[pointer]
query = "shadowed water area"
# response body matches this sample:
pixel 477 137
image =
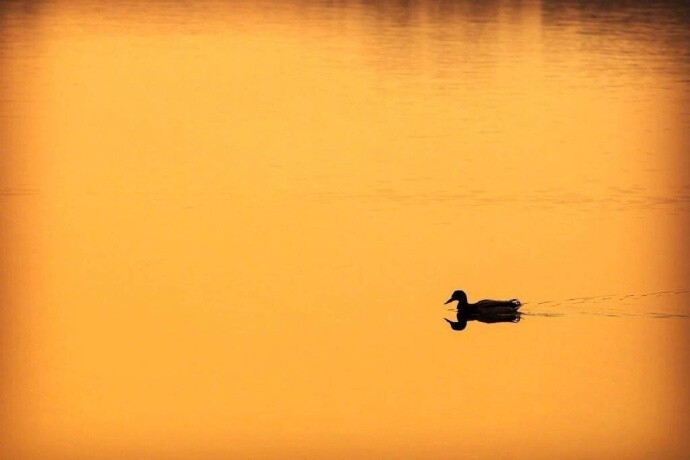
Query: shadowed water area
pixel 228 229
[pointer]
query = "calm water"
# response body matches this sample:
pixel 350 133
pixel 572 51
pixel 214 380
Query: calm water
pixel 228 229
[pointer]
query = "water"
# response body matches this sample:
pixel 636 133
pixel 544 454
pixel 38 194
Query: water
pixel 228 229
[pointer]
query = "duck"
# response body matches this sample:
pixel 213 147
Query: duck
pixel 484 311
pixel 484 307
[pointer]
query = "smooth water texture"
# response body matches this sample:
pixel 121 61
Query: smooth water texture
pixel 228 229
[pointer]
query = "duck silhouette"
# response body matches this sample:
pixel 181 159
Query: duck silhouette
pixel 484 311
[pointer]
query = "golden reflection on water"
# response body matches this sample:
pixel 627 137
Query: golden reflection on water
pixel 229 230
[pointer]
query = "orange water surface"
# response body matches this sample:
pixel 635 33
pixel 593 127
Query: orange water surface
pixel 228 229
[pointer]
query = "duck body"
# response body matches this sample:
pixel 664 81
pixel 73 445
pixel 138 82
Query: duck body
pixel 492 307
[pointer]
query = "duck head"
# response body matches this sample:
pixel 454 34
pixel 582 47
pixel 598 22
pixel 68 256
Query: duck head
pixel 456 326
pixel 460 296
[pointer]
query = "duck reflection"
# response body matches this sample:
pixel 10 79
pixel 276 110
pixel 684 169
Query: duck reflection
pixel 484 311
pixel 464 318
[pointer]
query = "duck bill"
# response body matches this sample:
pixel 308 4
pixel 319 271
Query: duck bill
pixel 448 301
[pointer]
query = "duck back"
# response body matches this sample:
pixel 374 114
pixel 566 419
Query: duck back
pixel 495 306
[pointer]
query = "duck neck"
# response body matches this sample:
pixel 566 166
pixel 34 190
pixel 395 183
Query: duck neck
pixel 462 301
